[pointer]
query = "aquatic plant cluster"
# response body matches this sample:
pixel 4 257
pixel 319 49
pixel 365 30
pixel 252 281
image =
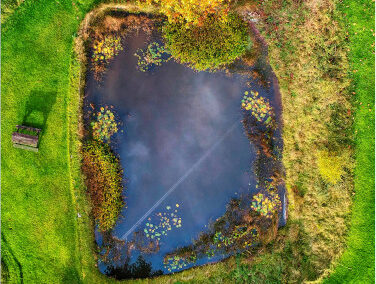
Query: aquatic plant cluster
pixel 104 180
pixel 101 166
pixel 106 48
pixel 166 222
pixel 220 240
pixel 267 205
pixel 176 262
pixel 258 106
pixel 154 55
pixel 237 230
pixel 104 125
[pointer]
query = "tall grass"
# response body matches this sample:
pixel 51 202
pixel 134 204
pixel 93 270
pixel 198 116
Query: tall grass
pixel 308 53
pixel 357 264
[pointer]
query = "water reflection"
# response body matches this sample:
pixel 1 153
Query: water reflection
pixel 189 166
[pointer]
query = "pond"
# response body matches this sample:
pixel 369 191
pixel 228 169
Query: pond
pixel 185 153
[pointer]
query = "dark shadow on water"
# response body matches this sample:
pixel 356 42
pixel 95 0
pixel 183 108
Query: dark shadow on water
pixel 140 269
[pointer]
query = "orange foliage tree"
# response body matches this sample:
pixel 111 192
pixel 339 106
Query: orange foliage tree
pixel 192 12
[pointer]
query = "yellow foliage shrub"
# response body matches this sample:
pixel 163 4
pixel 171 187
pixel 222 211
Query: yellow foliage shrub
pixel 192 12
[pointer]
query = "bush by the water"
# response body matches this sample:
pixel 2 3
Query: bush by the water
pixel 104 183
pixel 210 45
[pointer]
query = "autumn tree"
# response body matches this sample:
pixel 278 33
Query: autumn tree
pixel 193 12
pixel 203 33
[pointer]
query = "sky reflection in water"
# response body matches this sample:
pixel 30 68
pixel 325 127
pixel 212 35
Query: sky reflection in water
pixel 171 117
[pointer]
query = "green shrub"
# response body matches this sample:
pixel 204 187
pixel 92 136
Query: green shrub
pixel 330 166
pixel 104 183
pixel 207 46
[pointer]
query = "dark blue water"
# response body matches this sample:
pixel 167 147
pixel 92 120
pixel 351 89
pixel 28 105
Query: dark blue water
pixel 183 147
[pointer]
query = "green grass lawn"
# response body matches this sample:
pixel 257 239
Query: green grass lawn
pixel 38 217
pixel 357 265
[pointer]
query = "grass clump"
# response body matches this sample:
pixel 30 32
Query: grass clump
pixel 208 46
pixel 330 166
pixel 104 183
pixel 8 7
pixel 285 260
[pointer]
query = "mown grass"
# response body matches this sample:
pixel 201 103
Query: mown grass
pixel 357 265
pixel 37 216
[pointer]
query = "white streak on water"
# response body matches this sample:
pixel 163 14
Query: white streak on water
pixel 180 180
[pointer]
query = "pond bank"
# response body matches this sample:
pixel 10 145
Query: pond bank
pixel 317 116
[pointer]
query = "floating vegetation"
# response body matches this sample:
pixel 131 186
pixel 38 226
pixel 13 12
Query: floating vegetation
pixel 144 244
pixel 266 205
pixel 153 55
pixel 220 240
pixel 107 48
pixel 210 253
pixel 238 229
pixel 104 49
pixel 104 125
pixel 176 262
pixel 166 222
pixel 259 107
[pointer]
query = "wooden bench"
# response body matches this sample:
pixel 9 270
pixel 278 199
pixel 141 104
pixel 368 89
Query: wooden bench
pixel 27 141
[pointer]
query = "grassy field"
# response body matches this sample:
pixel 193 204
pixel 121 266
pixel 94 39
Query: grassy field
pixel 43 239
pixel 39 227
pixel 357 265
pixel 311 64
pixel 318 69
